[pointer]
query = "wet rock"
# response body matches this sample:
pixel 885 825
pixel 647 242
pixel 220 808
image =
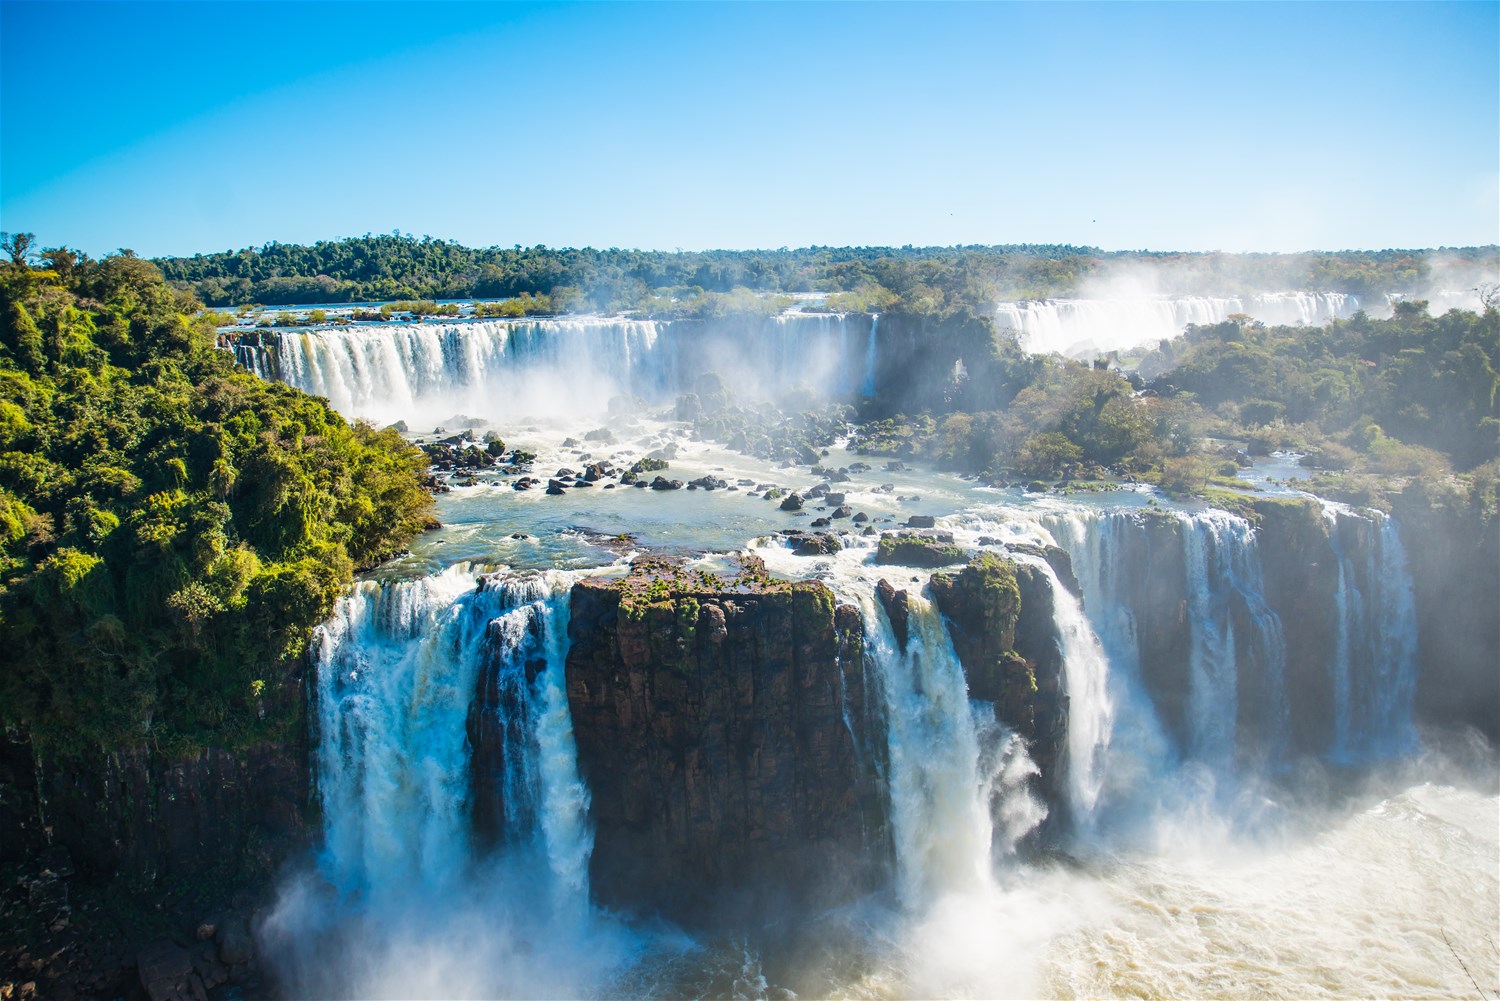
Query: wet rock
pixel 821 523
pixel 834 498
pixel 860 518
pixel 821 544
pixel 919 549
pixel 921 521
pixel 236 945
pixel 807 456
pixel 897 605
pixel 167 974
pixel 842 511
pixel 662 483
pixel 895 466
pixel 793 502
pixel 556 488
pixel 565 473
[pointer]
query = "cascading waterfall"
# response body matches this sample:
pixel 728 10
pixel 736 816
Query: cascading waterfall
pixel 1090 705
pixel 1087 327
pixel 1374 667
pixel 939 799
pixel 1231 629
pixel 867 387
pixel 429 371
pixel 398 665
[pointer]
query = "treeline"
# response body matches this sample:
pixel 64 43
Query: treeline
pixel 171 527
pixel 920 279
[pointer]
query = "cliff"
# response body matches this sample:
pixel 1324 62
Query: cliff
pixel 1000 617
pixel 725 733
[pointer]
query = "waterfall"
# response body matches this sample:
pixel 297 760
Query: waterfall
pixel 398 666
pixel 1089 327
pixel 1090 705
pixel 940 812
pixel 1374 667
pixel 431 370
pixel 867 387
pixel 1137 571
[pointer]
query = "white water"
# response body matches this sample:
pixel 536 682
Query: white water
pixel 427 372
pixel 1084 328
pixel 939 799
pixel 1173 890
pixel 867 387
pixel 1091 708
pixel 1374 668
pixel 397 667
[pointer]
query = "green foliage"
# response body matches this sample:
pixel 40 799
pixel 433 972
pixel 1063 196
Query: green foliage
pixel 1405 396
pixel 171 527
pixel 915 280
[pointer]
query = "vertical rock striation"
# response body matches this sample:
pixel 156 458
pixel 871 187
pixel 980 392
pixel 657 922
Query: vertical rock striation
pixel 724 731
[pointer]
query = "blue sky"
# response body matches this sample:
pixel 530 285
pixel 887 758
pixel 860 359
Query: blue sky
pixel 185 127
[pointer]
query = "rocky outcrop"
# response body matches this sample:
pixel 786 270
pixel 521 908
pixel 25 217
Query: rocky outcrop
pixel 919 548
pixel 1000 618
pixel 724 731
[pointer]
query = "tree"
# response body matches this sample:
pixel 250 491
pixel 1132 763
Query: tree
pixel 18 246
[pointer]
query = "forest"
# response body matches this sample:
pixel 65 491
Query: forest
pixel 386 267
pixel 171 527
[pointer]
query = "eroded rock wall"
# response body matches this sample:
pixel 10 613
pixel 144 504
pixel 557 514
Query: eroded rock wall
pixel 723 728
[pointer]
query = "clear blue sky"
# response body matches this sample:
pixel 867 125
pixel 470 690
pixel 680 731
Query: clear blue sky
pixel 186 127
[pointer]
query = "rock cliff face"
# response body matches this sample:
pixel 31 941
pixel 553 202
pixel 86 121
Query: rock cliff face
pixel 1000 616
pixel 105 852
pixel 728 741
pixel 1301 571
pixel 1453 553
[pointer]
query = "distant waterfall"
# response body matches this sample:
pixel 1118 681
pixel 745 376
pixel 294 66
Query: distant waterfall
pixel 1088 327
pixel 398 667
pixel 867 387
pixel 1374 669
pixel 430 371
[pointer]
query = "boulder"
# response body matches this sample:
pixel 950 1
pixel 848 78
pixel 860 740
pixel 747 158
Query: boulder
pixel 793 502
pixel 919 549
pixel 662 483
pixel 167 974
pixel 821 544
pixel 921 521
